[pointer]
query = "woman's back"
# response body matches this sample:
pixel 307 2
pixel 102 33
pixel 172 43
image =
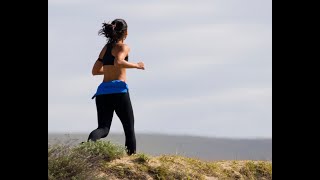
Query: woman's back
pixel 110 71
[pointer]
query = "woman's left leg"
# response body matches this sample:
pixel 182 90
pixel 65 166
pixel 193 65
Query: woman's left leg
pixel 105 107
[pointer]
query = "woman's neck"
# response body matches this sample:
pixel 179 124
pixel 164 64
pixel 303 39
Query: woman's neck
pixel 120 41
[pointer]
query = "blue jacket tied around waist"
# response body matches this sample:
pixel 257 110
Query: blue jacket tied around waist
pixel 111 87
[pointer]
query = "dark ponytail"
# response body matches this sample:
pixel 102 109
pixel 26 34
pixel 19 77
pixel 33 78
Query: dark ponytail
pixel 114 31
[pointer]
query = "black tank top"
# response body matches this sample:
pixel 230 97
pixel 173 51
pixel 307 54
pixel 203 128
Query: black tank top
pixel 108 58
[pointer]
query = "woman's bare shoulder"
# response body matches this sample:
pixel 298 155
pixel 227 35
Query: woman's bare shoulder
pixel 122 47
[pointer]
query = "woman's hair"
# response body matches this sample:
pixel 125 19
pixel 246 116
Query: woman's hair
pixel 114 31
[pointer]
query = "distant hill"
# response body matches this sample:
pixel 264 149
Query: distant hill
pixel 189 146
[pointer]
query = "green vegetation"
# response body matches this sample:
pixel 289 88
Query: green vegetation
pixel 105 160
pixel 142 158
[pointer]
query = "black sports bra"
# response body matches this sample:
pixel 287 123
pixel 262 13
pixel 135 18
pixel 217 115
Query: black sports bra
pixel 108 58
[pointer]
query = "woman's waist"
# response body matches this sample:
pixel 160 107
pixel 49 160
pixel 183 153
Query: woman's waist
pixel 111 87
pixel 116 83
pixel 106 80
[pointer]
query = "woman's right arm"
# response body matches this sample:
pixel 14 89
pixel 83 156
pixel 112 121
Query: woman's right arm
pixel 122 52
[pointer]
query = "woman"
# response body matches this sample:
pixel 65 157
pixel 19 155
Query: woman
pixel 113 94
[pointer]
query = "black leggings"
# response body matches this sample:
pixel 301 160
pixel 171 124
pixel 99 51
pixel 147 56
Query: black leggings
pixel 121 104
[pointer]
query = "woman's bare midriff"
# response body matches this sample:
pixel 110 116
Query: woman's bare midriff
pixel 114 73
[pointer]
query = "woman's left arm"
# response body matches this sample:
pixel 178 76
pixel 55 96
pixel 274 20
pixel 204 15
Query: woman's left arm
pixel 97 68
pixel 98 65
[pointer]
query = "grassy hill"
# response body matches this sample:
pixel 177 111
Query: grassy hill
pixel 105 160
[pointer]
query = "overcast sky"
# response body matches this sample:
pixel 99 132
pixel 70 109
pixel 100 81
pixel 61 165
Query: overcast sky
pixel 208 65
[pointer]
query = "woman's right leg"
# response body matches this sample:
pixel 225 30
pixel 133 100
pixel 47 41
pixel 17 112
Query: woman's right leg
pixel 125 113
pixel 105 108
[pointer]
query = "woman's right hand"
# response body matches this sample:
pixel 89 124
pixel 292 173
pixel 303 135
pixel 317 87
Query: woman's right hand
pixel 140 65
